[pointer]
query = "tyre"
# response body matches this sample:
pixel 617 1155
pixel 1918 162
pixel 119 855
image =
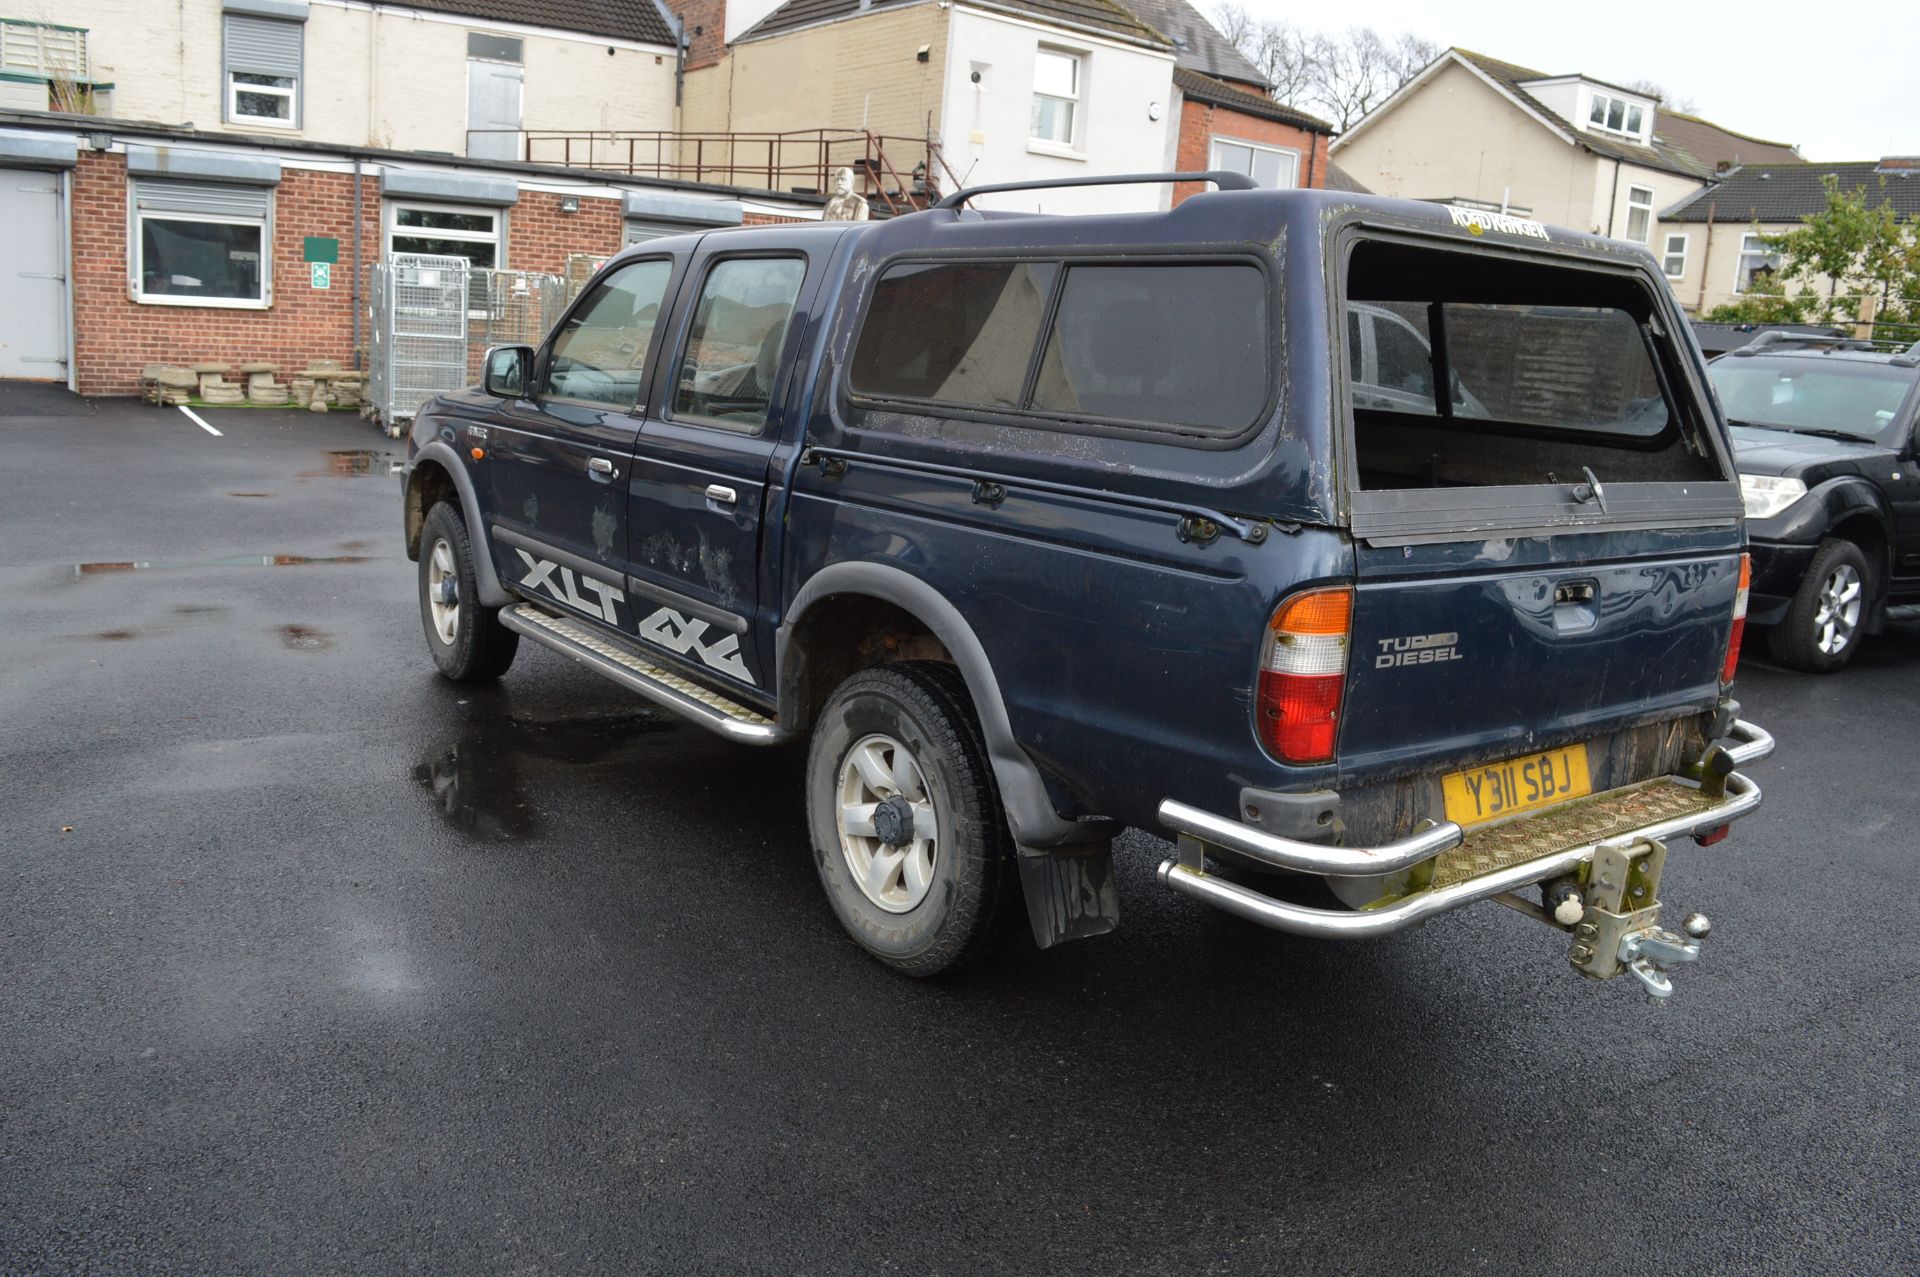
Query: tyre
pixel 467 640
pixel 908 833
pixel 1824 623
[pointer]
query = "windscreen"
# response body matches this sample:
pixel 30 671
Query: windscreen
pixel 1818 393
pixel 1470 369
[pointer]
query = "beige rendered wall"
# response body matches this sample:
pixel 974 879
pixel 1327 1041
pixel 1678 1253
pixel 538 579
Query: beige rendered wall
pixel 379 77
pixel 1456 136
pixel 830 76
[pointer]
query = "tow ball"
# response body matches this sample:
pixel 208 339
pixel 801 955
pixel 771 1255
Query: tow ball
pixel 1612 911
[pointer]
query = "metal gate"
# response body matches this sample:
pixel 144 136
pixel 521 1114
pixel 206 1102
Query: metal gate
pixel 33 323
pixel 417 343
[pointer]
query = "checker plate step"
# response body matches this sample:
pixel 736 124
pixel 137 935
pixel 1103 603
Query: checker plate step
pixel 1574 824
pixel 627 667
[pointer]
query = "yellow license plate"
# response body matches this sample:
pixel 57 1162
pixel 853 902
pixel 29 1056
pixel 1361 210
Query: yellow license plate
pixel 1519 784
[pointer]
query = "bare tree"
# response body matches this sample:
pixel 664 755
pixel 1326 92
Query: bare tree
pixel 1341 76
pixel 1654 89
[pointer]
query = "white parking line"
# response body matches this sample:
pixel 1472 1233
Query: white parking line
pixel 195 419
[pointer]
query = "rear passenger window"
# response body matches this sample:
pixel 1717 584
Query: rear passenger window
pixel 959 334
pixel 1176 347
pixel 733 351
pixel 1159 345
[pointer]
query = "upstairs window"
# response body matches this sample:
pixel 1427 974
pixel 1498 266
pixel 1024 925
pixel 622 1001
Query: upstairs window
pixel 1610 114
pixel 263 60
pixel 1639 213
pixel 1272 167
pixel 1056 96
pixel 1673 262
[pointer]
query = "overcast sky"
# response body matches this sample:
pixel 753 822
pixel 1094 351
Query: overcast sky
pixel 1837 81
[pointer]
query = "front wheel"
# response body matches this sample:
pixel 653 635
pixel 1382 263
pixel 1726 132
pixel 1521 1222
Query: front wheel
pixel 908 833
pixel 467 640
pixel 1826 619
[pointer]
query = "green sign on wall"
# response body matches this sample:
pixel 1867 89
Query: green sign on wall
pixel 322 248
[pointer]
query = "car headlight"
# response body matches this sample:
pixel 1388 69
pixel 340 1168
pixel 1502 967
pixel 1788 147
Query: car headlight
pixel 1766 495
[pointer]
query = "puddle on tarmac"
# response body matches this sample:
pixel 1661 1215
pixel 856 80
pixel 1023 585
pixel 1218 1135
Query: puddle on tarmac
pixel 235 561
pixel 249 494
pixel 304 638
pixel 114 636
pixel 357 463
pixel 478 781
pixel 200 609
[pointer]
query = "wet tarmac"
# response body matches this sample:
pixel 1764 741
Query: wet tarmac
pixel 312 962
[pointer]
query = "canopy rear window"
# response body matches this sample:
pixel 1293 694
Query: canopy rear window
pixel 1474 370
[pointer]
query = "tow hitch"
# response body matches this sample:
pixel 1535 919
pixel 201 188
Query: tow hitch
pixel 1619 929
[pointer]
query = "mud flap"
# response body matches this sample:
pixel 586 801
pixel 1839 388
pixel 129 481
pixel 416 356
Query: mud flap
pixel 1071 893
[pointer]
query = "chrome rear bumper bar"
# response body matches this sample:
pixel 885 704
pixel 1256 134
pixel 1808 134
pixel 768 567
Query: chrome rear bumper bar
pixel 1751 744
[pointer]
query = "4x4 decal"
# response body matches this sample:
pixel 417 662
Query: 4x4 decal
pixel 541 574
pixel 679 634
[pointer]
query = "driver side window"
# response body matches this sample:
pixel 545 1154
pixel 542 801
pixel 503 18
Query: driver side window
pixel 600 352
pixel 733 348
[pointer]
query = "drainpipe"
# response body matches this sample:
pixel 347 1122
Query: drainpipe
pixel 1615 200
pixel 1313 155
pixel 356 264
pixel 1706 259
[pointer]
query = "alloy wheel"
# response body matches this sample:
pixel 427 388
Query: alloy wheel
pixel 1838 615
pixel 889 831
pixel 443 591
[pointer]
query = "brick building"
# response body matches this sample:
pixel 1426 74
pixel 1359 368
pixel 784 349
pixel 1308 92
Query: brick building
pixel 141 244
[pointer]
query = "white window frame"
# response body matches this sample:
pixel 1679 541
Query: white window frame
pixel 1288 151
pixel 1073 147
pixel 1740 260
pixel 1604 101
pixel 1640 206
pixel 498 238
pixel 1667 254
pixel 137 258
pixel 290 93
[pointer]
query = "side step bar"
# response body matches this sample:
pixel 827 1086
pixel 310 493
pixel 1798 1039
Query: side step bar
pixel 663 687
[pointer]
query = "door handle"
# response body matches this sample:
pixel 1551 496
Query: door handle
pixel 720 494
pixel 600 465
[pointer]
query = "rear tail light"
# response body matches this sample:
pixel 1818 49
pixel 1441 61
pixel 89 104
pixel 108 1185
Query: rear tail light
pixel 1739 621
pixel 1303 673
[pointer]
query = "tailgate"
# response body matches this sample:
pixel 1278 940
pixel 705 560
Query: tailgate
pixel 1458 656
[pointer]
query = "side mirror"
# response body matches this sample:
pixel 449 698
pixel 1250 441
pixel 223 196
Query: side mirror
pixel 506 371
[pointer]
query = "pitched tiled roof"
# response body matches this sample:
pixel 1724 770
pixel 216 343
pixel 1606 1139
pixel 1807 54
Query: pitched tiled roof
pixel 1338 179
pixel 1511 77
pixel 1097 15
pixel 639 20
pixel 1789 192
pixel 1203 88
pixel 1197 43
pixel 1716 149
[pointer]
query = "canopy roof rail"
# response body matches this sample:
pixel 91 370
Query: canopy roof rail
pixel 1224 180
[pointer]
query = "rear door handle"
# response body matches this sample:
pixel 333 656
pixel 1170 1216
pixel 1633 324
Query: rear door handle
pixel 600 465
pixel 720 494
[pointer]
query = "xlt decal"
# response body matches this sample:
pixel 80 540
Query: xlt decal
pixel 678 634
pixel 1417 649
pixel 541 574
pixel 1478 223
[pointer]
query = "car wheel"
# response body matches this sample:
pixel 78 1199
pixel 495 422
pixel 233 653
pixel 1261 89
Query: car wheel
pixel 1824 623
pixel 908 833
pixel 467 640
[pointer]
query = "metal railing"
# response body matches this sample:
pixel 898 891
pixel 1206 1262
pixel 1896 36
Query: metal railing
pixel 801 161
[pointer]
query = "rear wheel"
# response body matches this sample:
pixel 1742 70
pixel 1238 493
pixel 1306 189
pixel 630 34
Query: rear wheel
pixel 1826 619
pixel 467 640
pixel 908 832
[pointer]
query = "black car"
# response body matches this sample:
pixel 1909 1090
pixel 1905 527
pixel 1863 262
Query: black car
pixel 1824 434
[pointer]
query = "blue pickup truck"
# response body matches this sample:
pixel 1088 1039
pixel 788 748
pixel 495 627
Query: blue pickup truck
pixel 1387 555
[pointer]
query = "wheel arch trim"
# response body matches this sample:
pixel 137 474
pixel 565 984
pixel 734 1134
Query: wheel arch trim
pixel 1030 811
pixel 442 455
